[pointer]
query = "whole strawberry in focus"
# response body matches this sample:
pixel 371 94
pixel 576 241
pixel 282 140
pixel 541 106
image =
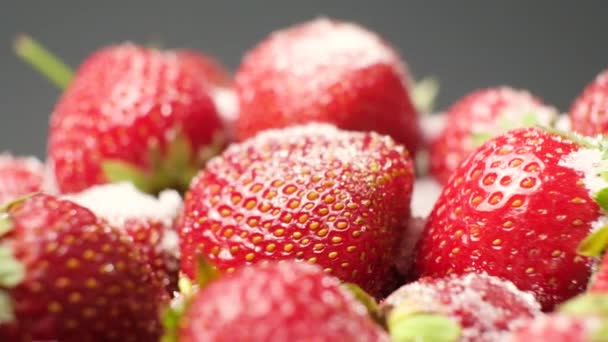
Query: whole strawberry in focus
pixel 19 176
pixel 148 220
pixel 480 116
pixel 67 276
pixel 327 71
pixel 589 112
pixel 314 193
pixel 517 208
pixel 471 307
pixel 131 113
pixel 287 301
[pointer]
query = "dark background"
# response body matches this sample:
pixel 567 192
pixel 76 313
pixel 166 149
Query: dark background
pixel 552 48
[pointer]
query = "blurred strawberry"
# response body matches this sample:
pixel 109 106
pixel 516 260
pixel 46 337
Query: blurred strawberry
pixel 326 71
pixel 19 176
pixel 589 112
pixel 480 116
pixel 67 276
pixel 472 307
pixel 315 193
pixel 131 113
pixel 286 301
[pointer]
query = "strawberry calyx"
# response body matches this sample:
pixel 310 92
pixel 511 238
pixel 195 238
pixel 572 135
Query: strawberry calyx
pixel 510 119
pixel 586 304
pixel 424 94
pixel 172 317
pixel 405 325
pixel 43 60
pixel 12 271
pixel 172 169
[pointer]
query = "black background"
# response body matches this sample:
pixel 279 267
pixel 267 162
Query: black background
pixel 552 48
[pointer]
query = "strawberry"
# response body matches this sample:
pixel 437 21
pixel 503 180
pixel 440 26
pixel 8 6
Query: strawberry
pixel 285 301
pixel 149 221
pixel 209 68
pixel 67 276
pixel 517 208
pixel 479 116
pixel 131 113
pixel 316 193
pixel 589 112
pixel 561 328
pixel 472 307
pixel 326 71
pixel 19 176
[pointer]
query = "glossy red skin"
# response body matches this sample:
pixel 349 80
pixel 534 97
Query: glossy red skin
pixel 69 292
pixel 123 101
pixel 305 193
pixel 19 176
pixel 454 143
pixel 148 235
pixel 533 244
pixel 589 112
pixel 277 302
pixel 373 97
pixel 495 309
pixel 558 328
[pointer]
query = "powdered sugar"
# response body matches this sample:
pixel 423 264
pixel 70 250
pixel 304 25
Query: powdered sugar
pixel 121 201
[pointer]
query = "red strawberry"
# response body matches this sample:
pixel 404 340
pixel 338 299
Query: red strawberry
pixel 339 199
pixel 561 328
pixel 137 114
pixel 474 307
pixel 589 112
pixel 479 116
pixel 68 277
pixel 149 221
pixel 212 70
pixel 287 301
pixel 517 208
pixel 19 176
pixel 327 71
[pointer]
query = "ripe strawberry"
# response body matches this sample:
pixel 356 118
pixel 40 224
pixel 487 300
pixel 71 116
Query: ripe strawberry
pixel 136 114
pixel 589 112
pixel 479 116
pixel 327 71
pixel 149 221
pixel 68 277
pixel 287 301
pixel 19 176
pixel 561 328
pixel 339 199
pixel 210 69
pixel 517 208
pixel 473 307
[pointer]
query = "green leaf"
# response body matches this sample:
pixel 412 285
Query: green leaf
pixel 364 298
pixel 5 224
pixel 205 272
pixel 595 243
pixel 601 198
pixel 6 308
pixel 424 94
pixel 586 304
pixel 480 138
pixel 120 171
pixel 405 326
pixel 12 271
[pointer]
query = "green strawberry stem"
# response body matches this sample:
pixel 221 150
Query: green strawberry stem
pixel 43 60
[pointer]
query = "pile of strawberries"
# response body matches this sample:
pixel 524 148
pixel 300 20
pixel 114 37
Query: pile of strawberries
pixel 178 203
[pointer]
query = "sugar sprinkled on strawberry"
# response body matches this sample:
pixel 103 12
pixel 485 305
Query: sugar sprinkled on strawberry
pixel 559 328
pixel 19 176
pixel 485 308
pixel 589 112
pixel 328 71
pixel 315 193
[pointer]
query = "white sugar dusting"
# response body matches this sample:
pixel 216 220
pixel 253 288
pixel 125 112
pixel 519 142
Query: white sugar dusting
pixel 426 192
pixel 471 295
pixel 590 163
pixel 122 201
